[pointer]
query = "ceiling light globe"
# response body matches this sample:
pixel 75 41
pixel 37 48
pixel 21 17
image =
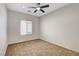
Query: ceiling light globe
pixel 38 8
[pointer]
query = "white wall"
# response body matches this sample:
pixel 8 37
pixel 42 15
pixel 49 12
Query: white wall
pixel 3 29
pixel 14 27
pixel 61 27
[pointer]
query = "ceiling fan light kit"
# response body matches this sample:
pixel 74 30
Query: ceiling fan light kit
pixel 38 7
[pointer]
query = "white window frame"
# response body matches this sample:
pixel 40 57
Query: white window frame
pixel 25 27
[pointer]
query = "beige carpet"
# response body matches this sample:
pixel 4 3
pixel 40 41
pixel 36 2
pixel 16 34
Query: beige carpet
pixel 38 48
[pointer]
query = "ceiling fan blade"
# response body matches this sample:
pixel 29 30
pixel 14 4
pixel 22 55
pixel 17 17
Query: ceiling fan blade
pixel 35 11
pixel 45 6
pixel 32 7
pixel 42 10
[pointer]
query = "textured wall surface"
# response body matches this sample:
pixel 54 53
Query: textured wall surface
pixel 14 19
pixel 3 29
pixel 62 27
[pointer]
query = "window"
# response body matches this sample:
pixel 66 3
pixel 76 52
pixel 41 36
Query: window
pixel 25 27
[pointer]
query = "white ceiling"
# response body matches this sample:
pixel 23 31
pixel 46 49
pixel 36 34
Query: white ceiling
pixel 19 7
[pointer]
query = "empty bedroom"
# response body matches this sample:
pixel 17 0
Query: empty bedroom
pixel 39 29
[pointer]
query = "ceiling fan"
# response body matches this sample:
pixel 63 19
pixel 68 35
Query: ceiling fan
pixel 38 7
